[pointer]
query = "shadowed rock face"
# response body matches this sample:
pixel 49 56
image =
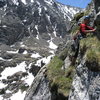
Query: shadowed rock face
pixel 2 3
pixel 19 19
pixel 97 5
pixel 97 19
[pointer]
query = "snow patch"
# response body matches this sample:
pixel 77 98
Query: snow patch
pixel 50 2
pixel 10 71
pixel 24 20
pixel 52 45
pixel 29 79
pixel 35 55
pixel 22 45
pixel 8 91
pixel 45 60
pixel 1 98
pixel 5 59
pixel 45 8
pixel 25 52
pixel 51 51
pixel 38 3
pixel 40 10
pixel 68 12
pixel 24 1
pixel 55 34
pixel 4 26
pixel 32 1
pixel 36 27
pixel 18 96
pixel 37 37
pixel 2 85
pixel 48 17
pixel 15 2
pixel 13 52
pixel 1 58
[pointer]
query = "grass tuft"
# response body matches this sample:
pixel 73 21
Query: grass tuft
pixel 60 78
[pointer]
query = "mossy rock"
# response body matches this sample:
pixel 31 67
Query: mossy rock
pixel 92 52
pixel 24 87
pixel 92 61
pixel 78 16
pixel 93 66
pixel 59 78
pixel 63 54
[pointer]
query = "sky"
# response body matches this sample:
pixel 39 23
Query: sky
pixel 76 3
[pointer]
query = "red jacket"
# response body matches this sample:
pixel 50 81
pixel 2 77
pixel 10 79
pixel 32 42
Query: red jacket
pixel 83 28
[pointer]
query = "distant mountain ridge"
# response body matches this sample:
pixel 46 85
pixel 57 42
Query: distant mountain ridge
pixel 21 18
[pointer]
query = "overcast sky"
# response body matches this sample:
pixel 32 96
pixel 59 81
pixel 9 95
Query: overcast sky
pixel 76 3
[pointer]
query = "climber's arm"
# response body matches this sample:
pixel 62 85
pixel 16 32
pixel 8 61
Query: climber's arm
pixel 89 29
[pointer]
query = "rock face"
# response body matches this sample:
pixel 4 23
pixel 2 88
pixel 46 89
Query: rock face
pixel 34 18
pixel 86 83
pixel 39 90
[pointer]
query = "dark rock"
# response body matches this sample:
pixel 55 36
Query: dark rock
pixel 4 81
pixel 8 63
pixel 42 63
pixel 93 66
pixel 7 95
pixel 34 69
pixel 5 55
pixel 2 3
pixel 24 74
pixel 4 48
pixel 2 91
pixel 17 76
pixel 1 69
pixel 21 50
pixel 24 87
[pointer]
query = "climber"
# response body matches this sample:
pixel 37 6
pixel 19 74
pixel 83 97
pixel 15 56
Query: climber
pixel 84 29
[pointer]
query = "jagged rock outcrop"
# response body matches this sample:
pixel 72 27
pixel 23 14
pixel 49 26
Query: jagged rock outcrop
pixel 39 88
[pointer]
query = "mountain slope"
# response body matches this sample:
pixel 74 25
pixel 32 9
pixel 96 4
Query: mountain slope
pixel 36 18
pixel 81 77
pixel 30 31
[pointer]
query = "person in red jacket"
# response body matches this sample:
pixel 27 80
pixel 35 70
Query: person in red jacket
pixel 84 29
